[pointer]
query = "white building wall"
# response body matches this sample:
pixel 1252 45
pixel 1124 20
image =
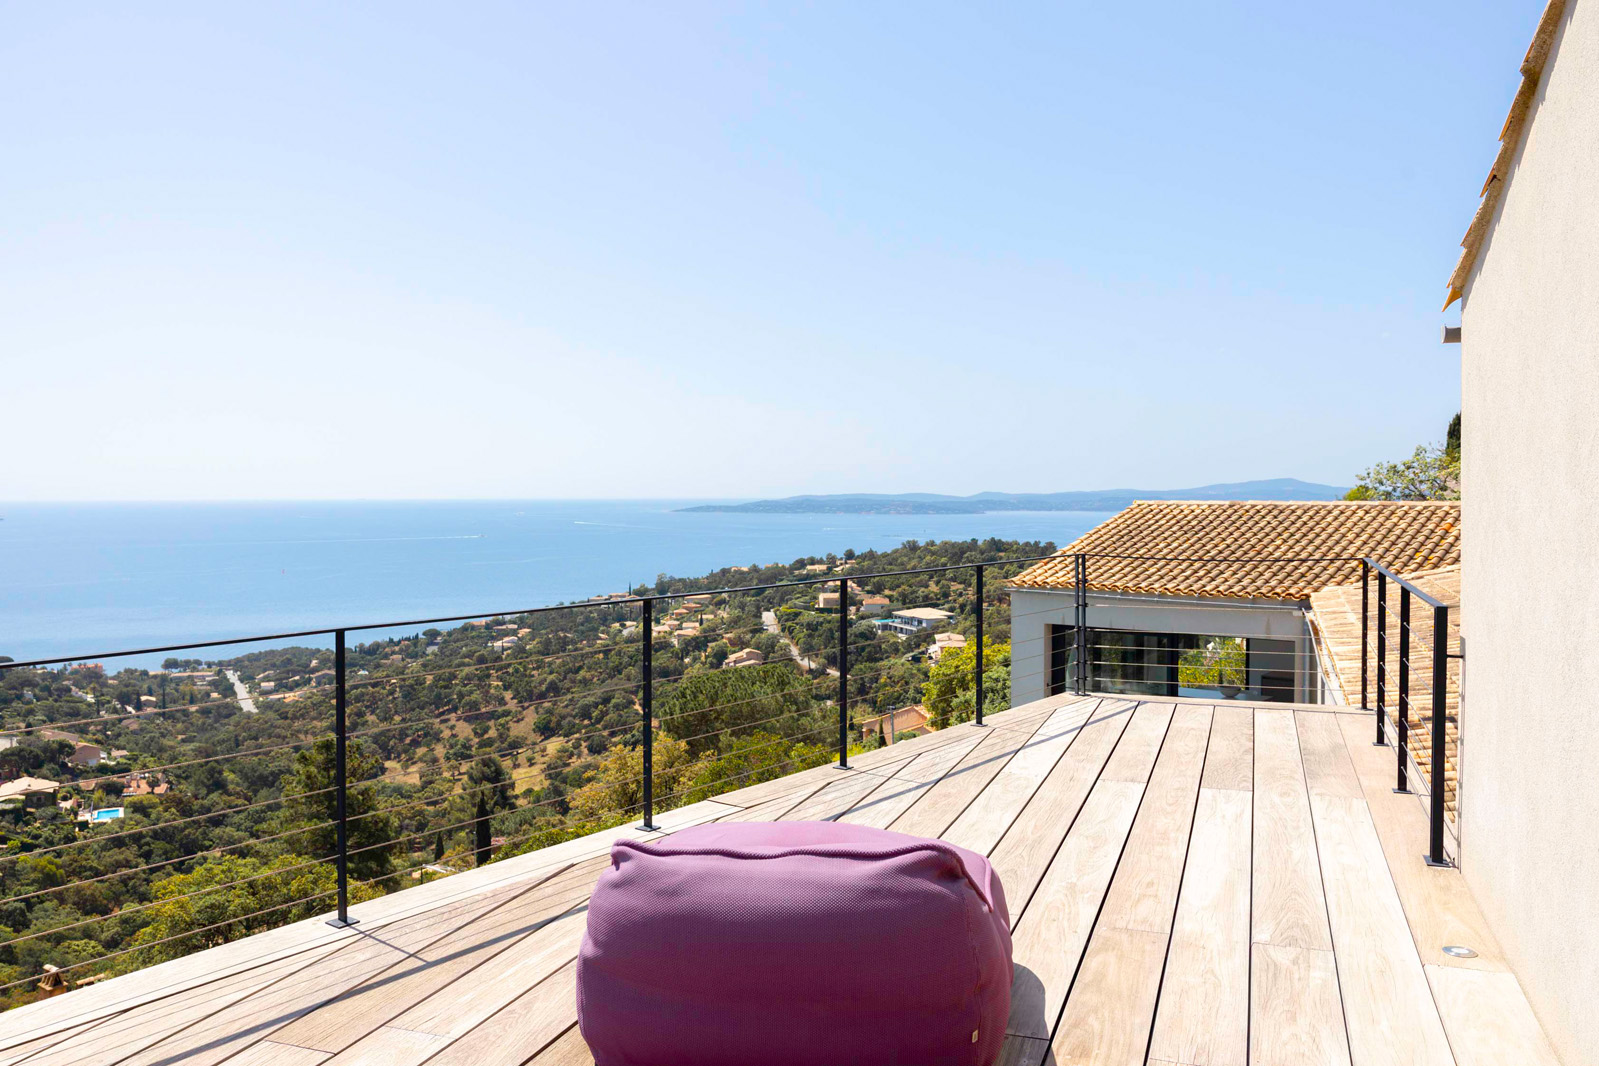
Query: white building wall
pixel 1530 576
pixel 1033 611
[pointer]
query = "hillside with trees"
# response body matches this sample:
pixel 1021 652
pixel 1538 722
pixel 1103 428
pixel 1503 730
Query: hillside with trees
pixel 168 817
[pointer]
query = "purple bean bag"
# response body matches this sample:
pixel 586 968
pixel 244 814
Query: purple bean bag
pixel 794 944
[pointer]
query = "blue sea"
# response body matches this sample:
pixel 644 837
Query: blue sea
pixel 84 580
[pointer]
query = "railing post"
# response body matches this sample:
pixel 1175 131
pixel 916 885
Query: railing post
pixel 1080 580
pixel 977 666
pixel 1440 735
pixel 1402 722
pixel 341 783
pixel 1365 626
pixel 1382 654
pixel 843 673
pixel 647 699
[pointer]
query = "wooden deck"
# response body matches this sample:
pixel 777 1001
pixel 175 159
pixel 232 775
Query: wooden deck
pixel 1189 885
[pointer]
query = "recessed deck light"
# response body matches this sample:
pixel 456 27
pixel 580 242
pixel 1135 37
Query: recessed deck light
pixel 1459 952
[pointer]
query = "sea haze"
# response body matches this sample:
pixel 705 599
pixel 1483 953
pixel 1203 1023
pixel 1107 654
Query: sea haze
pixel 85 579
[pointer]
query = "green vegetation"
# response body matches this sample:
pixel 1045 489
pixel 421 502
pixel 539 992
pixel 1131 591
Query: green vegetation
pixel 467 745
pixel 1431 473
pixel 1221 661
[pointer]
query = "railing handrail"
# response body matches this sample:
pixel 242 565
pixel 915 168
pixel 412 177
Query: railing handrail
pixel 841 579
pixel 1437 771
pixel 1415 590
pixel 614 601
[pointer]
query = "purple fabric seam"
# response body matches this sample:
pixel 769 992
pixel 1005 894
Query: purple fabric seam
pixel 837 851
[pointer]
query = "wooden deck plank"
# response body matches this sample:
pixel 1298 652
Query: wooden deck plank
pixel 1231 763
pixel 389 1046
pixel 1113 1000
pixel 1296 1011
pixel 1203 1017
pixel 896 795
pixel 476 996
pixel 765 791
pixel 184 977
pixel 847 789
pixel 1488 1018
pixel 1024 853
pixel 1092 837
pixel 1143 895
pixel 1325 756
pixel 1139 745
pixel 271 1053
pixel 117 1038
pixel 940 805
pixel 1022 1051
pixel 531 1022
pixel 452 959
pixel 370 958
pixel 1290 909
pixel 780 803
pixel 1388 1006
pixel 1107 1017
pixel 1053 931
pixel 987 817
pixel 21 1052
pixel 567 1050
pixel 1438 905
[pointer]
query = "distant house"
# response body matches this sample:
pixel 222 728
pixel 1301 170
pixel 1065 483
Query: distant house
pixel 34 792
pixel 895 725
pixel 827 601
pixel 86 755
pixel 267 686
pixel 744 657
pixel 817 568
pixel 943 642
pixel 913 620
pixel 875 605
pixel 143 785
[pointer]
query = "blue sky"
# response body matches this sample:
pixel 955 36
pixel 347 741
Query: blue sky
pixel 409 250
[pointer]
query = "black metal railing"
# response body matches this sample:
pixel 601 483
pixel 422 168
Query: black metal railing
pixel 1394 704
pixel 380 715
pixel 347 697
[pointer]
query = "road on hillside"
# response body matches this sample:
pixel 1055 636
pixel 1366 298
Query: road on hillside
pixel 241 693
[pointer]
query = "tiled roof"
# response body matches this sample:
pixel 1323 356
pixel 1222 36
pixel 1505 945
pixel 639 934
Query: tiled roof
pixel 1509 141
pixel 1253 550
pixel 1335 614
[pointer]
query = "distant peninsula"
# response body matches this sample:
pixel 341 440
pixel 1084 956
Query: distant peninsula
pixel 1285 488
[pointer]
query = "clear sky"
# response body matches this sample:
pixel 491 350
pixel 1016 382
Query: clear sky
pixel 694 249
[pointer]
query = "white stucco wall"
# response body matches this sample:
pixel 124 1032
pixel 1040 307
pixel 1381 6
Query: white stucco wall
pixel 1530 578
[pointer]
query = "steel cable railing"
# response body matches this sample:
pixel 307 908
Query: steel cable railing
pixel 732 739
pixel 1436 771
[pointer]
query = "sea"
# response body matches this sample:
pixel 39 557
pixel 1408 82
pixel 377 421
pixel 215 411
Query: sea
pixel 84 580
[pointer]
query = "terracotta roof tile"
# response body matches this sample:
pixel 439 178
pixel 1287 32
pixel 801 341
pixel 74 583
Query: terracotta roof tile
pixel 1253 550
pixel 1335 615
pixel 1493 189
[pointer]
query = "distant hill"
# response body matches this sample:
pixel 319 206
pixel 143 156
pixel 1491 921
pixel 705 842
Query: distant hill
pixel 1283 488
